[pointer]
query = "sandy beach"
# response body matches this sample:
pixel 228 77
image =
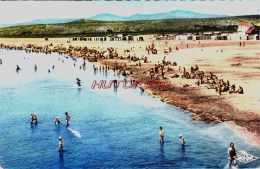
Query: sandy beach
pixel 240 65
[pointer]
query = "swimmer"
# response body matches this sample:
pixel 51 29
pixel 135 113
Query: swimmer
pixel 161 134
pixel 57 121
pixel 60 144
pixel 182 140
pixel 35 118
pixel 78 82
pixel 17 68
pixel 67 118
pixel 31 119
pixel 232 154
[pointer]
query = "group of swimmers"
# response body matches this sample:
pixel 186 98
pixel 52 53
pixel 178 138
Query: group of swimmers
pixel 162 137
pixel 231 150
pixel 57 122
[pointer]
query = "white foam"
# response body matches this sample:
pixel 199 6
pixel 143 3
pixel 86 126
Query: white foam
pixel 76 133
pixel 245 157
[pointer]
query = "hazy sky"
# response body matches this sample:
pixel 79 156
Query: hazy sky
pixel 23 11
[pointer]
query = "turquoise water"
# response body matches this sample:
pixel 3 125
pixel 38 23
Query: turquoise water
pixel 118 129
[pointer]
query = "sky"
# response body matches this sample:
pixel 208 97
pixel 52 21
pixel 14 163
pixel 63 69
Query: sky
pixel 24 11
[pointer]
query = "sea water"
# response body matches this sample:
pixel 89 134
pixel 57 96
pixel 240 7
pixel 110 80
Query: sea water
pixel 108 128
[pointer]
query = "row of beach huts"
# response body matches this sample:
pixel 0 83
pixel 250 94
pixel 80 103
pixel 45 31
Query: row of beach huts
pixel 245 31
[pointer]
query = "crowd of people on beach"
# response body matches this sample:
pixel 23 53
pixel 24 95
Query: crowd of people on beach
pixel 211 80
pixel 157 72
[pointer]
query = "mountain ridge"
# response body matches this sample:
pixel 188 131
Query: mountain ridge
pixel 175 14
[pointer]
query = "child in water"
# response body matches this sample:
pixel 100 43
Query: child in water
pixel 182 140
pixel 161 134
pixel 60 144
pixel 57 121
pixel 67 118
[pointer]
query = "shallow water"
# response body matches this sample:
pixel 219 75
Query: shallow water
pixel 117 129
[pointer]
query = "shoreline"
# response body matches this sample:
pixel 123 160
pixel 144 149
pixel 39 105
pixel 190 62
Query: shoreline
pixel 250 137
pixel 207 107
pixel 200 114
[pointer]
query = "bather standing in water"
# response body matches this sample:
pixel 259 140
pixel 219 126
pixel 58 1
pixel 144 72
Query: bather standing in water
pixel 78 82
pixel 67 118
pixel 57 121
pixel 182 140
pixel 161 134
pixel 31 119
pixel 35 118
pixel 60 144
pixel 17 68
pixel 232 155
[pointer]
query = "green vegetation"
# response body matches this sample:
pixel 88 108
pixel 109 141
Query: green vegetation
pixel 81 28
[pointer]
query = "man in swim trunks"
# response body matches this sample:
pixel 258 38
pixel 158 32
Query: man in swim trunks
pixel 232 155
pixel 67 118
pixel 161 134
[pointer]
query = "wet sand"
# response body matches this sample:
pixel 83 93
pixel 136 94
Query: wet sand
pixel 240 111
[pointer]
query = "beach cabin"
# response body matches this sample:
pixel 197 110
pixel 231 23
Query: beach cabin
pixel 160 37
pixel 75 39
pixel 219 37
pixel 184 37
pixel 166 37
pixel 127 38
pixel 206 36
pixel 138 38
pixel 83 39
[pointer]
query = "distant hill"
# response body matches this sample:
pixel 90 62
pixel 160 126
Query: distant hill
pixel 107 17
pixel 167 15
pixel 85 27
pixel 41 21
pixel 111 17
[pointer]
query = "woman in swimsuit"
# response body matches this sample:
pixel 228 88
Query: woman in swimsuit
pixel 232 155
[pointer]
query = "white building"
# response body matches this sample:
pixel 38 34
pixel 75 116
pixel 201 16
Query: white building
pixel 242 28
